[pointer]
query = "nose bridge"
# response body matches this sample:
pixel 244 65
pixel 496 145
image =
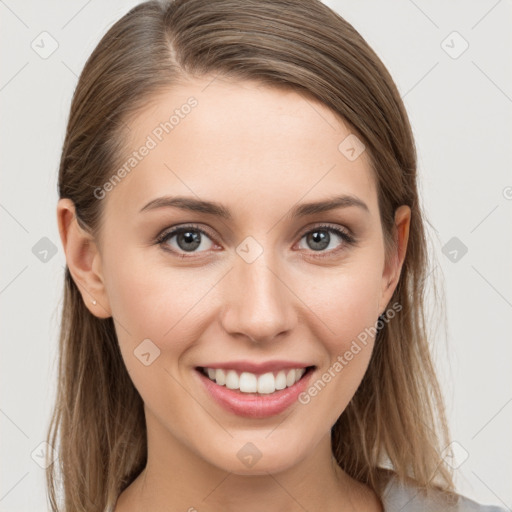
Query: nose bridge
pixel 259 305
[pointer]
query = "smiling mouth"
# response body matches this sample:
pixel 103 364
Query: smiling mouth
pixel 251 383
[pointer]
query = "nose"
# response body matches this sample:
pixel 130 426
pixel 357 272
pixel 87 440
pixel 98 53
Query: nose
pixel 258 303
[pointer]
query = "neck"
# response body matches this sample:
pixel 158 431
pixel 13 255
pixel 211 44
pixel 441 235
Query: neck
pixel 176 478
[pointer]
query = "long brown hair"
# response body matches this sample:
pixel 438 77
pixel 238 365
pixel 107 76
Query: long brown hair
pixel 396 417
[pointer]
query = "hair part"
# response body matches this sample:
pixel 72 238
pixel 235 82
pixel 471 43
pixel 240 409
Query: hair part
pixel 397 414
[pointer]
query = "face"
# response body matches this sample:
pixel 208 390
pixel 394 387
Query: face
pixel 239 276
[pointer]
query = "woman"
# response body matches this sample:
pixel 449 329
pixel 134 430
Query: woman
pixel 243 324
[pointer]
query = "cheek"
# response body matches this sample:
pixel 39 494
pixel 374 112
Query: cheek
pixel 163 304
pixel 346 304
pixel 152 302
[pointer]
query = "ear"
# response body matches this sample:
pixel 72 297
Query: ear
pixel 83 259
pixel 393 267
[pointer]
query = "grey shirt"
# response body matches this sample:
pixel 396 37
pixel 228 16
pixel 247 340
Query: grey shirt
pixel 398 497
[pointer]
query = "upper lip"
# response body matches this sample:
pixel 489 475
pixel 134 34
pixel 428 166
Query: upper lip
pixel 252 367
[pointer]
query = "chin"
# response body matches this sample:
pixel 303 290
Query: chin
pixel 257 455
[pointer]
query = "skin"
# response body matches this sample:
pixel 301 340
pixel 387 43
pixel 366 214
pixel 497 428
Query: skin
pixel 258 151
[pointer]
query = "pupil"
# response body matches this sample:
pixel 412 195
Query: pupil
pixel 320 239
pixel 189 237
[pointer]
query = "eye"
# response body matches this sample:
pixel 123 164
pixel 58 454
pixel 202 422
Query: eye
pixel 186 239
pixel 193 239
pixel 321 238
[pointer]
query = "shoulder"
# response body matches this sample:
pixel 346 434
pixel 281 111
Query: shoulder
pixel 397 496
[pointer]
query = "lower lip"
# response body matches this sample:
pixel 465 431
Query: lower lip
pixel 252 405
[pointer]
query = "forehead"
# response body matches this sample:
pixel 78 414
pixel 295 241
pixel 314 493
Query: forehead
pixel 230 141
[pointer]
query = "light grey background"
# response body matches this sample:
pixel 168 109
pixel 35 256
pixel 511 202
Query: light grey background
pixel 460 109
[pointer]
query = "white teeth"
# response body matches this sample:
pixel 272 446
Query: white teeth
pixel 219 377
pixel 266 383
pixel 232 380
pixel 248 382
pixel 281 380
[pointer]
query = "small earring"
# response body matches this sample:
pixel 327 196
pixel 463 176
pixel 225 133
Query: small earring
pixel 94 302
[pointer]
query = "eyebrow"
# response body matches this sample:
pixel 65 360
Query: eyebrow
pixel 218 210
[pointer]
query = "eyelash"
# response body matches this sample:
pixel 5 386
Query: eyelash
pixel 167 235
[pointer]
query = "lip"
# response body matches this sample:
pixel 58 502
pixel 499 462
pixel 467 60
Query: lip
pixel 254 405
pixel 256 368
